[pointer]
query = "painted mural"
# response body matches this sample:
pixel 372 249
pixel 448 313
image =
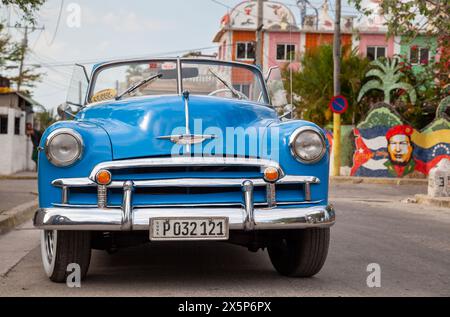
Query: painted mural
pixel 244 16
pixel 386 146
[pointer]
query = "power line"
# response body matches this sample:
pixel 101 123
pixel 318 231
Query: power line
pixel 58 20
pixel 95 61
pixel 40 59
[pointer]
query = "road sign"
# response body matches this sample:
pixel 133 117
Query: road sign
pixel 338 104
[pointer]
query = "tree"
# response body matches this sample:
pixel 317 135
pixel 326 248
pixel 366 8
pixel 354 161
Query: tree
pixel 412 17
pixel 13 53
pixel 26 7
pixel 313 84
pixel 388 77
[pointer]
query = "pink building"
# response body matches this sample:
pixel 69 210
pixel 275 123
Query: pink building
pixel 284 39
pixel 370 35
pixel 375 45
pixel 281 39
pixel 282 48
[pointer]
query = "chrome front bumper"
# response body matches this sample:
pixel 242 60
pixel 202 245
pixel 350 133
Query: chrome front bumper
pixel 239 219
pixel 127 217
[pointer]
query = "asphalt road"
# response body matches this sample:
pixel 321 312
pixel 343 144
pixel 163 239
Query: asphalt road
pixel 410 242
pixel 14 192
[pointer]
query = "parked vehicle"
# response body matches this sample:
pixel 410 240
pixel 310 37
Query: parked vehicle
pixel 179 150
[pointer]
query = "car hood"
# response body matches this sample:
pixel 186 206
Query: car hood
pixel 135 125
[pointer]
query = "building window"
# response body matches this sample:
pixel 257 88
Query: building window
pixel 17 126
pixel 285 52
pixel 419 55
pixel 245 50
pixel 244 88
pixel 375 52
pixel 3 124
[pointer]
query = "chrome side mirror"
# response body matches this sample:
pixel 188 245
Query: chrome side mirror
pixel 64 110
pixel 269 72
pixel 288 113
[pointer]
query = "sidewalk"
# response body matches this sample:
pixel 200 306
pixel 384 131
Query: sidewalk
pixel 18 202
pixel 435 201
pixel 21 175
pixel 378 180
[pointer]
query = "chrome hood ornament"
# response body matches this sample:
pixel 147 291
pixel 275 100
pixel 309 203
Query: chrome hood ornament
pixel 187 138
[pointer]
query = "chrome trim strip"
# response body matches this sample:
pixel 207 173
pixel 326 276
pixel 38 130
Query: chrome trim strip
pixel 184 139
pixel 74 182
pixel 249 218
pixel 187 182
pixel 307 191
pixel 102 196
pixel 271 195
pixel 112 219
pixel 209 205
pixel 179 76
pixel 185 161
pixel 64 195
pixel 127 207
pixel 186 115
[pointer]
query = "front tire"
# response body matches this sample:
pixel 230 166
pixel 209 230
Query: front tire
pixel 299 253
pixel 61 248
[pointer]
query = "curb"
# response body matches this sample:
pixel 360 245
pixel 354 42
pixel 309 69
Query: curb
pixel 378 180
pixel 16 216
pixel 12 177
pixel 435 201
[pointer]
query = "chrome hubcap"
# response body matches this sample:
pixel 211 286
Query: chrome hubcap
pixel 49 236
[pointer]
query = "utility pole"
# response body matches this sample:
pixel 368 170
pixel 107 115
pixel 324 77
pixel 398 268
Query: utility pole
pixel 259 34
pixel 337 89
pixel 23 50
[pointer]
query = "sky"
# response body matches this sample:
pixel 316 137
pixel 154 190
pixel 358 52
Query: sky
pixel 114 29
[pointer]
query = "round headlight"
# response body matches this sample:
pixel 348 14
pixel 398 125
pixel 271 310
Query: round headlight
pixel 308 145
pixel 63 147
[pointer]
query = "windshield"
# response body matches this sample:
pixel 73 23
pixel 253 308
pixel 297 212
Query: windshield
pixel 200 77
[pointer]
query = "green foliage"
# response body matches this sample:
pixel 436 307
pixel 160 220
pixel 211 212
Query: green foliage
pixel 388 76
pixel 313 84
pixel 431 90
pixel 26 7
pixel 381 116
pixel 403 17
pixel 46 119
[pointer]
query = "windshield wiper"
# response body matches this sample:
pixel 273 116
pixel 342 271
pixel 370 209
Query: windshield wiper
pixel 235 92
pixel 139 84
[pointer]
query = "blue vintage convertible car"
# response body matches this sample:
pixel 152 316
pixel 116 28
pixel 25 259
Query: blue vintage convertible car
pixel 180 150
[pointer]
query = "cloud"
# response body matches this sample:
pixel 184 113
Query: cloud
pixel 127 22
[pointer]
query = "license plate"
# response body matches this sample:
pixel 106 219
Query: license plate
pixel 188 229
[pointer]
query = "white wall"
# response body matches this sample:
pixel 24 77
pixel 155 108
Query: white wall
pixel 15 150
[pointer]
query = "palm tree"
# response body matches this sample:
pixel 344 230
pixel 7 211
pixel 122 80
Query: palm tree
pixel 313 83
pixel 388 79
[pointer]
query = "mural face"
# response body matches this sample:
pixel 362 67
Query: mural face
pixel 400 148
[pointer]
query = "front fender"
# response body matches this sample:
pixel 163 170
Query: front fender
pixel 97 149
pixel 278 135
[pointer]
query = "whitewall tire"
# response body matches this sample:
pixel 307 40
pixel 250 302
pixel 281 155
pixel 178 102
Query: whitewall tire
pixel 61 248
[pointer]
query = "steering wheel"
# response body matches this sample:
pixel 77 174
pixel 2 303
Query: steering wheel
pixel 241 95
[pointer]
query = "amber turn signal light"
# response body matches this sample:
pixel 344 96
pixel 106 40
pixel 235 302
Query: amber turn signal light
pixel 103 177
pixel 271 174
